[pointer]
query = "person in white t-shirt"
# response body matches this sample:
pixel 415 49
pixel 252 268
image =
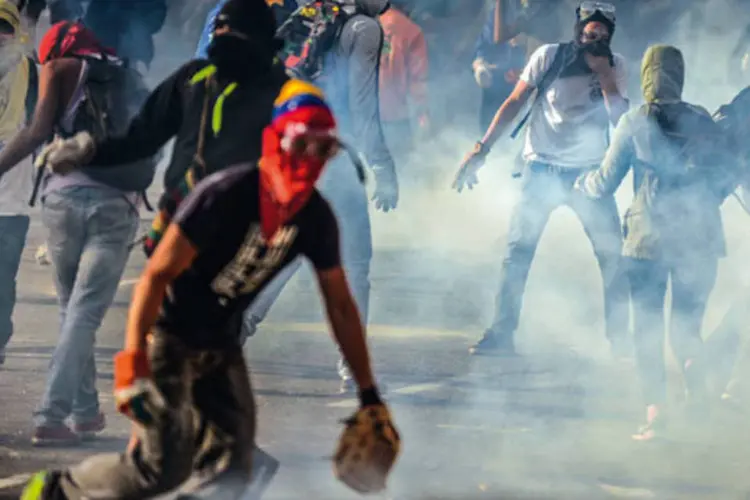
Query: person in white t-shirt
pixel 581 93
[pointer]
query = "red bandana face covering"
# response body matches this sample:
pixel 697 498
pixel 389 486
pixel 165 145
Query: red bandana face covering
pixel 296 147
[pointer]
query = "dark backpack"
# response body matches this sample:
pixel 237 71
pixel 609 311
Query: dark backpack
pixel 32 93
pixel 702 149
pixel 113 94
pixel 310 33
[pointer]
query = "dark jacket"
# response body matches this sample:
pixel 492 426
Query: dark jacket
pixel 174 109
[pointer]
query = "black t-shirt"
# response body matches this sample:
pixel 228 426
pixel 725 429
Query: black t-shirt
pixel 234 262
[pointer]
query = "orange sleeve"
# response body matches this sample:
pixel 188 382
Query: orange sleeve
pixel 418 68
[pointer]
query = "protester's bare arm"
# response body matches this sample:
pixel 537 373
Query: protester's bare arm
pixel 174 254
pixel 507 112
pixel 346 324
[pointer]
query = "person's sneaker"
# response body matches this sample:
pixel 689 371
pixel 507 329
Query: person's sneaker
pixel 88 429
pixel 43 485
pixel 42 255
pixel 249 328
pixel 730 401
pixel 265 468
pixel 2 357
pixel 654 426
pixel 621 348
pixel 57 435
pixel 492 344
pixel 697 401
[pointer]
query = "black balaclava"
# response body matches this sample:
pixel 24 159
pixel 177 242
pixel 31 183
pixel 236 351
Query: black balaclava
pixel 250 45
pixel 578 65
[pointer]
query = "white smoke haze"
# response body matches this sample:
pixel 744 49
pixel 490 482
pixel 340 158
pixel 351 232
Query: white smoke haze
pixel 539 435
pixel 562 322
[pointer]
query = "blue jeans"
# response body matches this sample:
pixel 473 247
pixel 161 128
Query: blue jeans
pixel 545 188
pixel 89 230
pixel 340 186
pixel 13 230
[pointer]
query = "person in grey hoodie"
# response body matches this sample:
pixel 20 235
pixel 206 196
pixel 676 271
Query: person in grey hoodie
pixel 350 80
pixel 673 228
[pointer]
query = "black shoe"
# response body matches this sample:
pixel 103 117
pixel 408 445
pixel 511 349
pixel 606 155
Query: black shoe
pixel 2 357
pixel 265 468
pixel 249 329
pixel 493 344
pixel 621 348
pixel 44 485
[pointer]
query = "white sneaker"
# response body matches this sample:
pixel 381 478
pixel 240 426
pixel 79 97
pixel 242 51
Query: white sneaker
pixel 41 255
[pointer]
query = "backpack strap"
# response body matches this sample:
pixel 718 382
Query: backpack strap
pixel 546 81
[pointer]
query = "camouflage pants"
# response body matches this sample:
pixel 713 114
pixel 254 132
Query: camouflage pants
pixel 207 431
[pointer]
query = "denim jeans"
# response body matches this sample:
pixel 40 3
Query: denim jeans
pixel 13 230
pixel 692 282
pixel 340 186
pixel 89 230
pixel 545 188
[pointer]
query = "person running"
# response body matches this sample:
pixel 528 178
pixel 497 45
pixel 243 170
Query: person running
pixel 181 376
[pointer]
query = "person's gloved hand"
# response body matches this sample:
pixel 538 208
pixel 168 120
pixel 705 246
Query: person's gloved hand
pixel 136 394
pixel 483 73
pixel 386 189
pixel 367 449
pixel 63 155
pixel 466 177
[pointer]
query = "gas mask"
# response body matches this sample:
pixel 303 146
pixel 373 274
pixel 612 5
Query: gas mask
pixel 238 47
pixel 596 40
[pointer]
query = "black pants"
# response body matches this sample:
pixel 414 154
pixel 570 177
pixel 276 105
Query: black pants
pixel 692 281
pixel 207 431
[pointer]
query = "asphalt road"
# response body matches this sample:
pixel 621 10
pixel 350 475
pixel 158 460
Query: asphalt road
pixel 554 423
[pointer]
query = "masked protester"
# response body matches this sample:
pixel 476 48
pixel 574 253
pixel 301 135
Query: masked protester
pixel 281 10
pixel 673 230
pixel 580 88
pixel 14 186
pixel 181 377
pixel 349 76
pixel 215 108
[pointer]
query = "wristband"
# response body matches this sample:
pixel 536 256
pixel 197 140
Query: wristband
pixel 369 397
pixel 481 149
